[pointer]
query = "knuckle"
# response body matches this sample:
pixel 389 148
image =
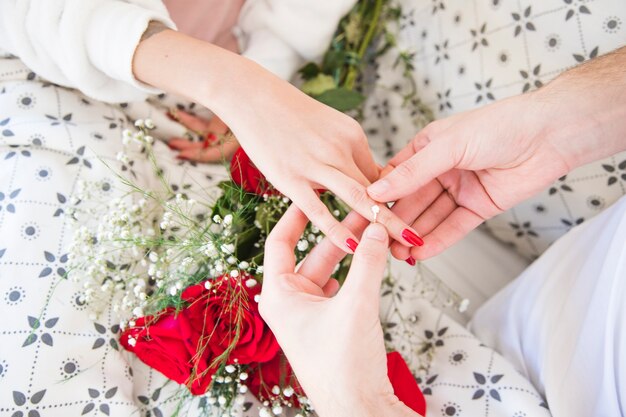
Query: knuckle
pixel 370 256
pixel 385 217
pixel 314 208
pixel 358 196
pixel 407 170
pixel 334 229
pixel 353 131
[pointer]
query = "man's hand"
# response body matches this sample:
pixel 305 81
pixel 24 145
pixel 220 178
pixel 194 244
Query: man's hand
pixel 462 170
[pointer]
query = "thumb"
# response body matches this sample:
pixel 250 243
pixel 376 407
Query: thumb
pixel 425 165
pixel 368 264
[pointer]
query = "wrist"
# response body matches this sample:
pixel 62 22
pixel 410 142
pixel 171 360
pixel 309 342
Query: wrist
pixel 194 69
pixel 361 405
pixel 583 111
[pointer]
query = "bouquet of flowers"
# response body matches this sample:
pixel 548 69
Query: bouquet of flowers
pixel 185 275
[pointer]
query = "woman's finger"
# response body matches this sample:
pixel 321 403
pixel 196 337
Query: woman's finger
pixel 409 208
pixel 322 260
pixel 281 242
pixel 217 126
pixel 436 213
pixel 331 288
pixel 368 267
pixel 191 122
pixel 427 221
pixel 452 229
pixel 364 161
pixel 355 195
pixel 181 144
pixel 215 153
pixel 309 202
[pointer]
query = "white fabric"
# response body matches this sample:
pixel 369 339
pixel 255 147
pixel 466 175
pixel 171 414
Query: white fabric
pixel 563 322
pixel 268 28
pixel 89 45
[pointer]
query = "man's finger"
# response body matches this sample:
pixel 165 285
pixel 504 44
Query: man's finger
pixel 452 229
pixel 411 175
pixel 309 202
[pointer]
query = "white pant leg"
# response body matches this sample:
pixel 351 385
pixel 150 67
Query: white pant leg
pixel 563 321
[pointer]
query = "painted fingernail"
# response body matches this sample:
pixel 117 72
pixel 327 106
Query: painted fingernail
pixel 182 158
pixel 170 115
pixel 410 260
pixel 412 238
pixel 172 147
pixel 351 244
pixel 378 188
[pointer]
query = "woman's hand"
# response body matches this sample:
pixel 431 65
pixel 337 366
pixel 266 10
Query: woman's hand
pixel 218 145
pixel 334 341
pixel 299 144
pixel 462 170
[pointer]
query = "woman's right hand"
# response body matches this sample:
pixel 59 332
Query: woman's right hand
pixel 300 144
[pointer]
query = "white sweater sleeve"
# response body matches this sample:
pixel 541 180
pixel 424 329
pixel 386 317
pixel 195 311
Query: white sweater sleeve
pixel 83 44
pixel 281 34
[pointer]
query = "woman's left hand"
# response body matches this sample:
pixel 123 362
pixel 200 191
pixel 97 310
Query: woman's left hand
pixel 218 145
pixel 333 340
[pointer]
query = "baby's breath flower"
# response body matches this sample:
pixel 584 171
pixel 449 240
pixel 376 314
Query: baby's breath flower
pixel 228 248
pixel 302 245
pixel 122 157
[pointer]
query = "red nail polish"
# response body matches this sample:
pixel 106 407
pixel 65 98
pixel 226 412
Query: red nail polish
pixel 351 244
pixel 410 260
pixel 182 158
pixel 172 147
pixel 412 238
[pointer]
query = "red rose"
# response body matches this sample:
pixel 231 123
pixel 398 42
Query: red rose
pixel 165 343
pixel 214 312
pixel 247 176
pixel 277 372
pixel 404 385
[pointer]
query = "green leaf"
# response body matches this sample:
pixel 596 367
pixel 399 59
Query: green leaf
pixel 309 71
pixel 334 60
pixel 319 85
pixel 341 99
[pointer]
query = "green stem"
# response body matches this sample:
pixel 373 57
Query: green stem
pixel 371 30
